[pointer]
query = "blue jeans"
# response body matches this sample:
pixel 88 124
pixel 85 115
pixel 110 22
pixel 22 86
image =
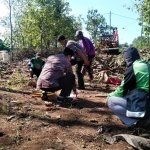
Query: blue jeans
pixel 118 106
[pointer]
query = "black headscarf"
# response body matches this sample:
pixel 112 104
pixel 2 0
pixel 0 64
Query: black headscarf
pixel 130 55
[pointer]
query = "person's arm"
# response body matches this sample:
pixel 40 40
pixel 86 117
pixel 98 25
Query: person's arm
pixel 32 63
pixel 128 83
pixel 43 63
pixel 86 62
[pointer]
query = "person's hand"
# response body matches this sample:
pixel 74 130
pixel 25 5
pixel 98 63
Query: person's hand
pixel 75 92
pixel 83 71
pixel 30 70
pixel 86 62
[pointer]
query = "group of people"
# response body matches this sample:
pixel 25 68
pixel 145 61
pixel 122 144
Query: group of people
pixel 57 74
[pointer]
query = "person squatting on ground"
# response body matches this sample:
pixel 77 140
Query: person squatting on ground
pixel 80 58
pixel 35 65
pixel 136 78
pixel 88 46
pixel 57 75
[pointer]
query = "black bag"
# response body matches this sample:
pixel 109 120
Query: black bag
pixel 138 103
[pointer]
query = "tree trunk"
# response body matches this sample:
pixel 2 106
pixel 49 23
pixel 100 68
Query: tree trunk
pixel 41 44
pixel 11 28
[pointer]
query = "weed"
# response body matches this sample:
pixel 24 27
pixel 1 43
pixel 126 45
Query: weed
pixel 3 108
pixel 3 148
pixel 17 138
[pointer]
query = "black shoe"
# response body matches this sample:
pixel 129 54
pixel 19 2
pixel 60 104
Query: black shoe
pixel 60 100
pixel 143 123
pixel 68 99
pixel 81 88
pixel 44 96
pixel 64 99
pixel 131 128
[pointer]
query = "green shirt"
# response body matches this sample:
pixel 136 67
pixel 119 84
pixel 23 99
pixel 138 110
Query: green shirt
pixel 37 64
pixel 135 77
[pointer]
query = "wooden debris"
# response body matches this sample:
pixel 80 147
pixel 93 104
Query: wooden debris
pixel 101 95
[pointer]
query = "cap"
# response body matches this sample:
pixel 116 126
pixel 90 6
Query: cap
pixel 38 55
pixel 78 33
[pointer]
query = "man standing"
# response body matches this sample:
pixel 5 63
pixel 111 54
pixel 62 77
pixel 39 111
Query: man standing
pixel 87 45
pixel 80 58
pixel 35 65
pixel 57 74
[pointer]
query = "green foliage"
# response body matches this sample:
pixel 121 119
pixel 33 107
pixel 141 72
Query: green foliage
pixel 3 148
pixel 3 46
pixel 96 23
pixel 37 23
pixel 140 42
pixel 123 46
pixel 143 9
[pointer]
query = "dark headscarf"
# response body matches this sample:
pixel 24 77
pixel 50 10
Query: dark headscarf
pixel 130 55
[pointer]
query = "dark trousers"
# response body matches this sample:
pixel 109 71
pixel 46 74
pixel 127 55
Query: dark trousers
pixel 65 85
pixel 89 69
pixel 36 72
pixel 79 65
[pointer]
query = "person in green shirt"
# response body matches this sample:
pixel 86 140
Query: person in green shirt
pixel 35 65
pixel 136 78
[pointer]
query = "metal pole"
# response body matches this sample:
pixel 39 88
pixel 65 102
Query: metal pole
pixel 110 22
pixel 11 47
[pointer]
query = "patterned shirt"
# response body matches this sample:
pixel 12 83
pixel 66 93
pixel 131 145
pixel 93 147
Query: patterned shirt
pixel 74 47
pixel 55 67
pixel 87 46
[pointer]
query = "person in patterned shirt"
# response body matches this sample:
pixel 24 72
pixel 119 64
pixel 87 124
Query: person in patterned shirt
pixel 80 58
pixel 57 75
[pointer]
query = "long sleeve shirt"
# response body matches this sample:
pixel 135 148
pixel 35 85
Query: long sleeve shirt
pixel 87 46
pixel 55 67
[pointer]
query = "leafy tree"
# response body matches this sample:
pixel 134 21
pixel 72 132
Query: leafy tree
pixel 143 9
pixel 96 23
pixel 3 46
pixel 140 42
pixel 37 23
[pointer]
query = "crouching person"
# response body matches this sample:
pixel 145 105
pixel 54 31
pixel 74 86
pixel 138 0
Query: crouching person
pixel 35 65
pixel 57 75
pixel 128 101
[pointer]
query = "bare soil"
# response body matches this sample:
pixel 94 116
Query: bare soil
pixel 28 123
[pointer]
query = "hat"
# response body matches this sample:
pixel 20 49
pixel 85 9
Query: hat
pixel 38 55
pixel 67 51
pixel 60 38
pixel 78 33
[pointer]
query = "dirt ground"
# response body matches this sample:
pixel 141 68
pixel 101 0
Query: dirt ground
pixel 28 123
